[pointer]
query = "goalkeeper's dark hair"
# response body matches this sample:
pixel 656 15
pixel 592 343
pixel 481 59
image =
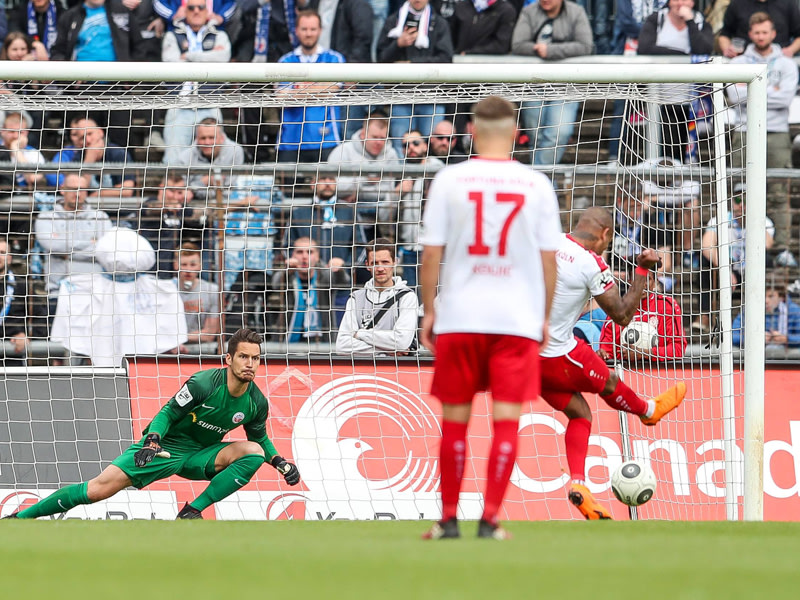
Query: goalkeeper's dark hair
pixel 246 336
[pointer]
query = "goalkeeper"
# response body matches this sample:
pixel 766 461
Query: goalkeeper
pixel 185 439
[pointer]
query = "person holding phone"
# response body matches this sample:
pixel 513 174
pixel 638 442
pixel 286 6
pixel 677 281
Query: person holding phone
pixel 414 34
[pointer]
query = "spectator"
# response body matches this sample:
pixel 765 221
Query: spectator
pixel 308 133
pixel 482 27
pixel 201 298
pixel 381 317
pixel 151 28
pixel 14 133
pixel 167 221
pixel 14 325
pixel 98 30
pixel 18 46
pixel 784 14
pixel 37 19
pixel 89 147
pixel 673 214
pixel 173 11
pixel 401 215
pixel 657 309
pixel 213 150
pixel 122 310
pixel 302 294
pixel 781 320
pixel 782 76
pixel 415 34
pixel 3 22
pixel 676 30
pixel 347 28
pixel 367 149
pixel 445 144
pixel 628 19
pixel 194 39
pixel 734 221
pixel 68 235
pixel 329 220
pixel 551 30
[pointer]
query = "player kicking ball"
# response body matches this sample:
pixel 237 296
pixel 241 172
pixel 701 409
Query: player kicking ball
pixel 570 366
pixel 185 439
pixel 495 224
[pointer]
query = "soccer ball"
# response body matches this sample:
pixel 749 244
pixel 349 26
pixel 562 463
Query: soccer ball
pixel 633 483
pixel 642 335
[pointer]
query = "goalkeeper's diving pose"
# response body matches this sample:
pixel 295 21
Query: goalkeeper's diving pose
pixel 185 439
pixel 570 366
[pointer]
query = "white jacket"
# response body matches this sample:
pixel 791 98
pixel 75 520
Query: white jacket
pixel 781 87
pixel 393 333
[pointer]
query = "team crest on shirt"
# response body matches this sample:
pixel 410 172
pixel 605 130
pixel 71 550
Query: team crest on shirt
pixel 238 417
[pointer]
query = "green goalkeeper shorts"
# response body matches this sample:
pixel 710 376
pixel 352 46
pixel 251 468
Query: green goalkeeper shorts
pixel 189 461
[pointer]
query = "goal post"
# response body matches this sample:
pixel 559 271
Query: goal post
pixel 395 385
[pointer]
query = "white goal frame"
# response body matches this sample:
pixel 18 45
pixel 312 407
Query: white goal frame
pixel 752 75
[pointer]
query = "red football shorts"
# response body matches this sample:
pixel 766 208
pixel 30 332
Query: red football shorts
pixel 468 363
pixel 579 371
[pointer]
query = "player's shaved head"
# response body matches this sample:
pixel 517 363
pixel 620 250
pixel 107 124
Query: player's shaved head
pixel 595 218
pixel 593 228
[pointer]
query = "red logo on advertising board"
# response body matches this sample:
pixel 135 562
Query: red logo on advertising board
pixel 17 501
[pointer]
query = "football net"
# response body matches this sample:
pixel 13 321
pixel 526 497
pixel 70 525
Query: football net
pixel 146 224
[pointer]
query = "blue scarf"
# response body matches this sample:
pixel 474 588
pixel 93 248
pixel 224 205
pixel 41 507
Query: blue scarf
pixel 262 28
pixel 49 28
pixel 9 296
pixel 305 322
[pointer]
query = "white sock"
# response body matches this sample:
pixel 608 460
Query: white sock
pixel 651 408
pixel 579 482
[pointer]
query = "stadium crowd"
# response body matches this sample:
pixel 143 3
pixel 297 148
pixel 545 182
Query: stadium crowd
pixel 290 249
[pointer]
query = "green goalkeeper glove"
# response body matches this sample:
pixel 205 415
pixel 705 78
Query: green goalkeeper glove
pixel 287 469
pixel 150 448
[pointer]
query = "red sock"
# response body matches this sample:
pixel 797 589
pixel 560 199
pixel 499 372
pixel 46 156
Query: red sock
pixel 576 439
pixel 625 399
pixel 501 462
pixel 452 456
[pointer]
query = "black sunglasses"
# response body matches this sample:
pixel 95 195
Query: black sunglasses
pixel 414 143
pixel 441 137
pixel 197 7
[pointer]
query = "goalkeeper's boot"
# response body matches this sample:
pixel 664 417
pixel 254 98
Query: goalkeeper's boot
pixel 442 530
pixel 492 530
pixel 582 498
pixel 188 512
pixel 14 515
pixel 666 402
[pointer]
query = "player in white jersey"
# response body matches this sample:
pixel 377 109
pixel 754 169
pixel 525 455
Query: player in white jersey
pixel 570 366
pixel 495 223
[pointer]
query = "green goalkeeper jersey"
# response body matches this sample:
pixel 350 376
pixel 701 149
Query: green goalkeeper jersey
pixel 202 412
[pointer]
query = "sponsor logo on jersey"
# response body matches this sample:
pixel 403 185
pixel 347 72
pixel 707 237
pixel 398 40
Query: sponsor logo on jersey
pixel 238 417
pixel 184 396
pixel 210 427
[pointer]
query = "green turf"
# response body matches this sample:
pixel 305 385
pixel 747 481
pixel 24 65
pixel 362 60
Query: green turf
pixel 191 560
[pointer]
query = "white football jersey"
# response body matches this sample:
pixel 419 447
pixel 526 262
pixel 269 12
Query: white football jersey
pixel 582 274
pixel 493 218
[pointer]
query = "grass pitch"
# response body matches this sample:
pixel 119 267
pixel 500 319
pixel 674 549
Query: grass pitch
pixel 194 560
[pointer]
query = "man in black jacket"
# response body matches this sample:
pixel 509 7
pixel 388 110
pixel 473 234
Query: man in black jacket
pixel 346 28
pixel 121 28
pixel 416 34
pixel 37 19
